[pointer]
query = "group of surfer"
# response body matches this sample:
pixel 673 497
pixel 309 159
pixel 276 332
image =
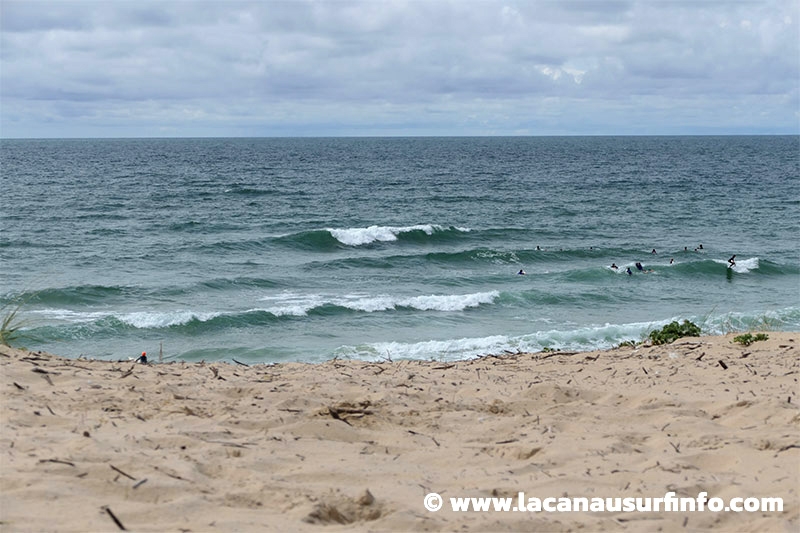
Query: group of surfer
pixel 640 267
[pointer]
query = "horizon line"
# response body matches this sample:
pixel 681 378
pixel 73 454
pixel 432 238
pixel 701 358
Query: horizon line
pixel 142 137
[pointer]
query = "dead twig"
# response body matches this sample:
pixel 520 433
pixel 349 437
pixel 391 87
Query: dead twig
pixel 45 374
pixel 557 353
pixel 121 472
pixel 225 443
pixel 335 414
pixel 173 476
pixel 114 518
pixel 423 435
pixel 57 461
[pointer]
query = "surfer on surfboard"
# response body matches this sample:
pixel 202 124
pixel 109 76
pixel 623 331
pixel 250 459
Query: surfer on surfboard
pixel 731 262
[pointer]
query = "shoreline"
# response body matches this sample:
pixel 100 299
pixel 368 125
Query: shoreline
pixel 356 445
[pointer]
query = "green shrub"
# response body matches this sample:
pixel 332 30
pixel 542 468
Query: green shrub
pixel 746 339
pixel 673 331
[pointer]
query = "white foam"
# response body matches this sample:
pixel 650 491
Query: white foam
pixel 138 319
pixel 433 349
pixel 581 339
pixel 67 315
pixel 454 302
pixel 148 319
pixel 742 265
pixel 738 321
pixel 369 304
pixel 361 236
pixel 299 305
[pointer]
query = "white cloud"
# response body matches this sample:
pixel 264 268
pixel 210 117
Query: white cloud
pixel 316 67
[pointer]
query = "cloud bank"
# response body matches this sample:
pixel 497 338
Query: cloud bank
pixel 73 69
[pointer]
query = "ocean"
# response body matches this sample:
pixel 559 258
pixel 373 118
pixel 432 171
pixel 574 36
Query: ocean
pixel 306 249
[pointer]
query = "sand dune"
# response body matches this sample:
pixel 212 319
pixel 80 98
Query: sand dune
pixel 350 445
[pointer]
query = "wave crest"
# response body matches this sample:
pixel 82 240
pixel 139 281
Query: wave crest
pixel 299 305
pixel 371 234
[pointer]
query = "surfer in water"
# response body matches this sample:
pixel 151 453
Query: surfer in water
pixel 628 271
pixel 521 273
pixel 731 262
pixel 614 266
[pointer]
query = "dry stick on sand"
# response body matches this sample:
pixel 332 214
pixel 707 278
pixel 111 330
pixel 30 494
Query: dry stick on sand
pixel 121 472
pixel 114 518
pixel 56 461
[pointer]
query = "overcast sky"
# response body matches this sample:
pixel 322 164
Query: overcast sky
pixel 384 67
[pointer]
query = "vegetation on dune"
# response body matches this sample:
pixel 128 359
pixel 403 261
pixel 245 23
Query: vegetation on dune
pixel 11 325
pixel 746 339
pixel 673 331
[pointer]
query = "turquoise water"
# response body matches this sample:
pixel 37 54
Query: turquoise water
pixel 307 249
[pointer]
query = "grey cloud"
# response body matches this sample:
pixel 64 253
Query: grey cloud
pixel 518 66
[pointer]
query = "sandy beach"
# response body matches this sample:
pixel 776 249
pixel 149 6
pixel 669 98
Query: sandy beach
pixel 91 445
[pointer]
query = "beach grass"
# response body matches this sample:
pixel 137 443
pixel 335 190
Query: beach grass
pixel 11 325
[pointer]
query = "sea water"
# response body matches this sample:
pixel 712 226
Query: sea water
pixel 301 249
